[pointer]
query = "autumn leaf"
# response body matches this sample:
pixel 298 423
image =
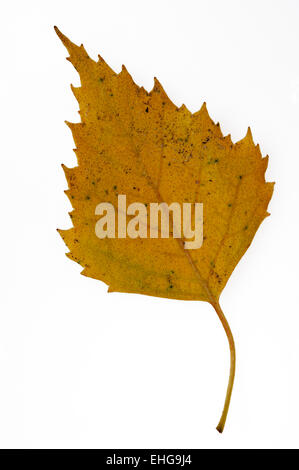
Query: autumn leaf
pixel 141 145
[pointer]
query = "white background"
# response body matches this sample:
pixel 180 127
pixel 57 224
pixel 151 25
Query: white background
pixel 83 368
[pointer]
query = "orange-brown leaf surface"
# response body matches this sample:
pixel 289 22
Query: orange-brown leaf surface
pixel 140 144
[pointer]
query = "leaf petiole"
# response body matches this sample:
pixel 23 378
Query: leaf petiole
pixel 232 349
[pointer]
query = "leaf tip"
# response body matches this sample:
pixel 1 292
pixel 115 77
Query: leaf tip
pixel 249 135
pixel 204 110
pixel 228 137
pixel 61 36
pixel 158 86
pixel 70 125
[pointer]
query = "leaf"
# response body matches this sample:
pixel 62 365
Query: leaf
pixel 141 145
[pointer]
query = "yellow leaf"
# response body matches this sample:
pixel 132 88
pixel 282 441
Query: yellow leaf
pixel 139 144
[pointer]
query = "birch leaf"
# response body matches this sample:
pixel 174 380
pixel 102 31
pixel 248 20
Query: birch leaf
pixel 140 144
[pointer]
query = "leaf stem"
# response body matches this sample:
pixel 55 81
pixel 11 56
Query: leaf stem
pixel 232 349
